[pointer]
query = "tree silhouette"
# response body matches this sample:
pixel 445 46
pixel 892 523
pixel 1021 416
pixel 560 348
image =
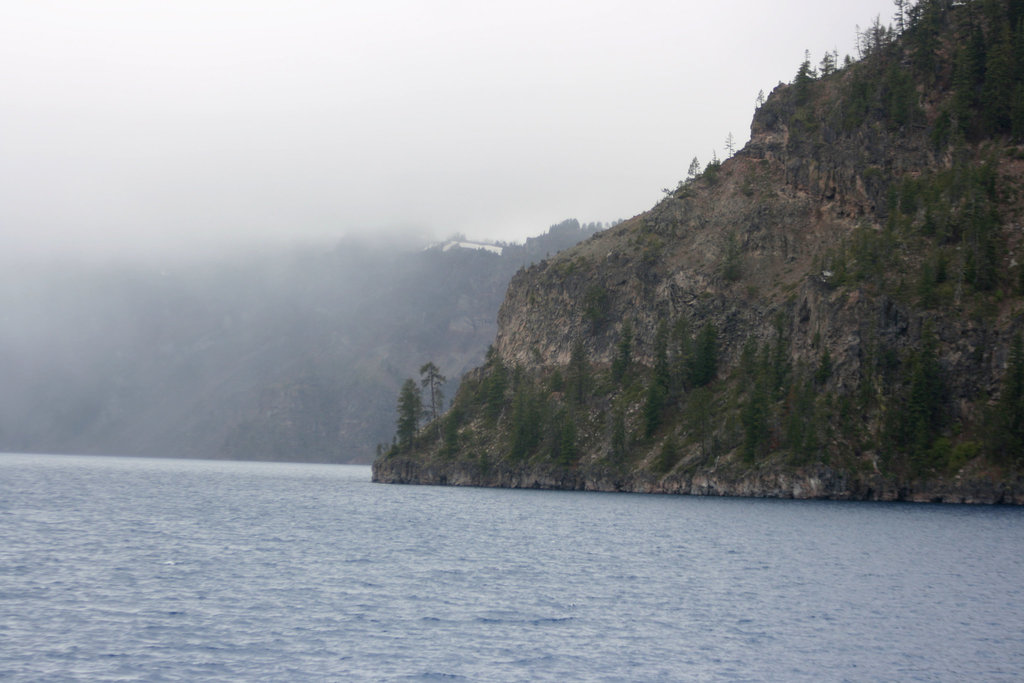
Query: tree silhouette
pixel 694 169
pixel 432 380
pixel 410 407
pixel 623 352
pixel 578 372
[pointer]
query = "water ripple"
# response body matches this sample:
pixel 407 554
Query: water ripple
pixel 120 569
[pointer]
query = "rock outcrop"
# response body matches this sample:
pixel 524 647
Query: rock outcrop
pixel 833 312
pixel 815 483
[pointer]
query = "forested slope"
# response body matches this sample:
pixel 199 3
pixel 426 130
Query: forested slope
pixel 835 311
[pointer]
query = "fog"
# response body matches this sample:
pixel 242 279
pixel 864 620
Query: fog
pixel 286 354
pixel 135 127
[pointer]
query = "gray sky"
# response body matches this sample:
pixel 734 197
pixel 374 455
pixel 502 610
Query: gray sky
pixel 132 126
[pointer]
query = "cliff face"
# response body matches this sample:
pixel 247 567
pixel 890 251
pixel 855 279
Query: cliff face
pixel 818 482
pixel 832 312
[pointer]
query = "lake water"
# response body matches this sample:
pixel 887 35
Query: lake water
pixel 199 570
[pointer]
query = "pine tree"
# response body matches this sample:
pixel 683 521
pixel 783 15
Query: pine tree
pixel 998 90
pixel 699 417
pixel 1006 435
pixel 682 354
pixel 410 407
pixel 495 384
pixel 623 352
pixel 1017 113
pixel 754 417
pixel 694 170
pixel 704 366
pixel 922 416
pixel 828 64
pixel 618 436
pixel 924 24
pixel 451 431
pixel 668 456
pixel 578 374
pixel 527 422
pixel 901 15
pixel 566 451
pixel 732 265
pixel 432 380
pixel 804 77
pixel 824 371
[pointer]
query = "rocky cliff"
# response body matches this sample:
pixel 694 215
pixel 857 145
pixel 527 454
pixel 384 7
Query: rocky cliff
pixel 835 311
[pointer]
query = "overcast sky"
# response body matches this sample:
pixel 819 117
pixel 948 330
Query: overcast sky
pixel 130 126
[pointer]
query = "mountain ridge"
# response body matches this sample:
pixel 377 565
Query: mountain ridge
pixel 835 311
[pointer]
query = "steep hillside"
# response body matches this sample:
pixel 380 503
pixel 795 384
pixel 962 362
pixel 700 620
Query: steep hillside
pixel 293 354
pixel 835 311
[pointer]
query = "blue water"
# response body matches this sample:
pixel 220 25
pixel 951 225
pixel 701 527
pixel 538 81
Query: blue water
pixel 123 569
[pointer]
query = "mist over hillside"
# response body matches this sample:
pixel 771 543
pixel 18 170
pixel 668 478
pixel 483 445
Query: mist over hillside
pixel 293 354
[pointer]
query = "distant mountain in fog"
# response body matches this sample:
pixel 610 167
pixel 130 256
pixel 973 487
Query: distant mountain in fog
pixel 293 355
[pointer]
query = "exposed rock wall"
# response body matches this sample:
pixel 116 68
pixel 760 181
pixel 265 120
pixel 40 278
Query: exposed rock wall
pixel 845 365
pixel 820 483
